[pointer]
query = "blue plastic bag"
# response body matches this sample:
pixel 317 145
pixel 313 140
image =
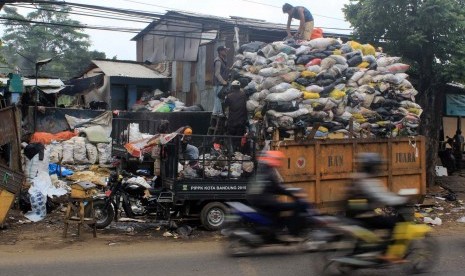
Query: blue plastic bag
pixel 55 169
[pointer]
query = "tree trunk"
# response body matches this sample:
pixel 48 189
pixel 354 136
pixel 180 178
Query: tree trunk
pixel 431 101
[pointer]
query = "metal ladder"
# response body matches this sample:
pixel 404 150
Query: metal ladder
pixel 217 125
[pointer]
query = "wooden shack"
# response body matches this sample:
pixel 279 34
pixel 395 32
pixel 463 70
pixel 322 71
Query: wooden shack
pixel 11 178
pixel 189 41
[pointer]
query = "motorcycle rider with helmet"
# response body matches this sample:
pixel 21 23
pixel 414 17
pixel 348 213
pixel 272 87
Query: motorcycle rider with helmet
pixel 368 193
pixel 264 190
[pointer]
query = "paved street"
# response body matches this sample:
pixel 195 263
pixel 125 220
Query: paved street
pixel 175 257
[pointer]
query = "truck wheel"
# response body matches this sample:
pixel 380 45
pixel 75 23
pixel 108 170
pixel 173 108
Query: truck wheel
pixel 103 216
pixel 213 215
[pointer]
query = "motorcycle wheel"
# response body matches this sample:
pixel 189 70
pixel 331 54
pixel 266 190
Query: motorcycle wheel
pixel 237 247
pixel 422 255
pixel 103 215
pixel 313 241
pixel 339 246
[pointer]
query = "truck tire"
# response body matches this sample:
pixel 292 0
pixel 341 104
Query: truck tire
pixel 213 215
pixel 103 215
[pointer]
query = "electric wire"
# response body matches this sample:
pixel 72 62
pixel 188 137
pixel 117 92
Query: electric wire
pixel 181 25
pixel 171 19
pixel 88 14
pixel 320 15
pixel 206 19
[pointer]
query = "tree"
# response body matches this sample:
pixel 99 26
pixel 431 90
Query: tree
pixel 427 34
pixel 47 32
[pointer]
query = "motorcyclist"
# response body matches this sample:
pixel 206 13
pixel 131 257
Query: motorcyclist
pixel 263 192
pixel 368 193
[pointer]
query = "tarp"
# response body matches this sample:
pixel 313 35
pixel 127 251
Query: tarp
pixel 51 90
pixel 47 138
pixel 83 86
pixel 455 105
pixel 103 120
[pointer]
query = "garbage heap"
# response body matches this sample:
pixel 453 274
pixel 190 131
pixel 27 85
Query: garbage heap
pixel 297 84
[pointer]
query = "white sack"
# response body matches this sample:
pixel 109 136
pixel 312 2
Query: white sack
pixel 288 95
pixel 79 151
pixel 68 152
pixel 104 153
pixel 92 153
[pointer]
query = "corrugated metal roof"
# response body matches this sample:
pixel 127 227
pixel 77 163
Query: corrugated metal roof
pixel 233 20
pixel 456 84
pixel 44 82
pixel 127 69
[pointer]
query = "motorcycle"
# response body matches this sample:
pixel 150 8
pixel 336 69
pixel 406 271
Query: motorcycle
pixel 134 199
pixel 360 247
pixel 248 229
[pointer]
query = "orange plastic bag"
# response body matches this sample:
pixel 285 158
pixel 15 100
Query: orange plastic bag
pixel 317 33
pixel 315 61
pixel 47 138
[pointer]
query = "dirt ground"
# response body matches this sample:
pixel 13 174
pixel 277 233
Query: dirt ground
pixel 22 234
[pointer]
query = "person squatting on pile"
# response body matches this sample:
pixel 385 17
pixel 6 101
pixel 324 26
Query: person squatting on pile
pixel 306 21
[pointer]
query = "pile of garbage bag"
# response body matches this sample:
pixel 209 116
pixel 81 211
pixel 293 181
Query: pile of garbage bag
pixel 210 165
pixel 294 84
pixel 156 102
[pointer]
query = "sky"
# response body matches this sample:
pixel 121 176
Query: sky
pixel 327 14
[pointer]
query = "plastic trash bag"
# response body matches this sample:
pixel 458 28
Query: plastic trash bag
pixel 59 170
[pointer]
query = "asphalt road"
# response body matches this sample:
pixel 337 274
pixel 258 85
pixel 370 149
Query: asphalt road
pixel 174 257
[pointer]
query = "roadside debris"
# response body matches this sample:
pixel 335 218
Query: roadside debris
pixel 441 207
pixel 436 221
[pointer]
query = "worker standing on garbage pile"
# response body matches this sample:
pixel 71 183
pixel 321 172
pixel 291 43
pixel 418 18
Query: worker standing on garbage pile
pixel 220 78
pixel 236 103
pixel 306 21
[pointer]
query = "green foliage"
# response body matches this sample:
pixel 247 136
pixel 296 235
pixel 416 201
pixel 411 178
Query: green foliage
pixel 26 42
pixel 427 34
pixel 430 34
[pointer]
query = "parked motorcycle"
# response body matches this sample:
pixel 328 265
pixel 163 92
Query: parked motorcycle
pixel 248 229
pixel 132 198
pixel 359 247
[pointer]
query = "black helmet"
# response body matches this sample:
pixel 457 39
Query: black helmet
pixel 369 162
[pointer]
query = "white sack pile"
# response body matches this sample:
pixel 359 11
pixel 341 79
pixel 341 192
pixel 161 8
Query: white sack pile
pixel 324 81
pixel 78 150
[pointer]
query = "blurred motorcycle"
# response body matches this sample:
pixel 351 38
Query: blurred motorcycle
pixel 248 230
pixel 359 247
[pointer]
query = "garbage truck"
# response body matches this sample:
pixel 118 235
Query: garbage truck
pixel 321 167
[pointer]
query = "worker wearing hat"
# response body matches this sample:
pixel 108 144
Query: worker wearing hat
pixel 221 73
pixel 236 102
pixel 190 153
